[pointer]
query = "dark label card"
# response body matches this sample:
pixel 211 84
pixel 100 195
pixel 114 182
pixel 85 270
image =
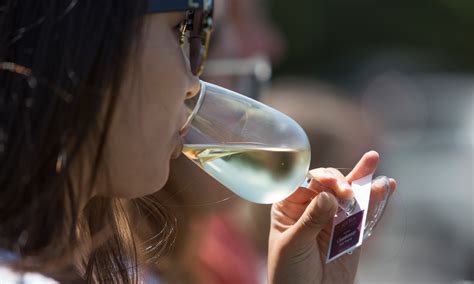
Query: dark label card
pixel 346 234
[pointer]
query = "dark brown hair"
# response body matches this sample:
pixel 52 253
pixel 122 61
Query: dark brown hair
pixel 75 53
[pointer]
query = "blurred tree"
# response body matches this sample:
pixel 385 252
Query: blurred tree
pixel 336 38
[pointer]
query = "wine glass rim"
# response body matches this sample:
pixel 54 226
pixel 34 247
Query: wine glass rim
pixel 191 116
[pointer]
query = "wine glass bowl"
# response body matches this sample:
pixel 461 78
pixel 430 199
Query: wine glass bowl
pixel 257 152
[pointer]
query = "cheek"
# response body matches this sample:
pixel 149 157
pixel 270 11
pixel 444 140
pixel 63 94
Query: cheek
pixel 163 88
pixel 138 145
pixel 146 123
pixel 136 155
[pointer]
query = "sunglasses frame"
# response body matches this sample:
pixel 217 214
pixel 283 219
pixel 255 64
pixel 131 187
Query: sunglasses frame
pixel 162 6
pixel 199 22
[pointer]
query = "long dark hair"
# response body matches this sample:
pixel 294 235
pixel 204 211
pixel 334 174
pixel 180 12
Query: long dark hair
pixel 63 62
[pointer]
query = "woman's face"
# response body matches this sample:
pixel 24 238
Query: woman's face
pixel 144 134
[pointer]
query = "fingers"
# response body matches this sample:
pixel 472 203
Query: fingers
pixel 321 205
pixel 330 180
pixel 381 185
pixel 316 217
pixel 393 185
pixel 301 196
pixel 380 188
pixel 366 166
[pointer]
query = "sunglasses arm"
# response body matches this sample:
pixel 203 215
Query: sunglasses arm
pixel 162 6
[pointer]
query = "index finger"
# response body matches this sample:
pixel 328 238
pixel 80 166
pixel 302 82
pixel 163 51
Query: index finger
pixel 366 166
pixel 331 180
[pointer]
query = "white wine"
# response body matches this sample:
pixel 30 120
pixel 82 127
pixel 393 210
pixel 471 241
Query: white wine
pixel 254 171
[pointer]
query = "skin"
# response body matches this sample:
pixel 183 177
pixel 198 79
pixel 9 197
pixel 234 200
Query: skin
pixel 145 131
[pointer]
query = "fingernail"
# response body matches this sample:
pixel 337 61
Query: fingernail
pixel 324 202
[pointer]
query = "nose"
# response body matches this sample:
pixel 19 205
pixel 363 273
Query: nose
pixel 194 87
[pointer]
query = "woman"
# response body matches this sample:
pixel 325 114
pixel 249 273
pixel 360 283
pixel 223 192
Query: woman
pixel 91 104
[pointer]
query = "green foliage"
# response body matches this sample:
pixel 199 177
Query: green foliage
pixel 332 36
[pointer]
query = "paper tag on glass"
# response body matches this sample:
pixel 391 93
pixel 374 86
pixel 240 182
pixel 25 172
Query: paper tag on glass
pixel 348 230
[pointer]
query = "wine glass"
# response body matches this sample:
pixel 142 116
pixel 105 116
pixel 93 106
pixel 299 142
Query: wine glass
pixel 257 152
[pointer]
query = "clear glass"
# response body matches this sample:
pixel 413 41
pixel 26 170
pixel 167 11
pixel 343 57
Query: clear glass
pixel 257 152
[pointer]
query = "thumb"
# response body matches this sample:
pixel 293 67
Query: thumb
pixel 316 216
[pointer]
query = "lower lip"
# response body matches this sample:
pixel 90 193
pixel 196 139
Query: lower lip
pixel 177 151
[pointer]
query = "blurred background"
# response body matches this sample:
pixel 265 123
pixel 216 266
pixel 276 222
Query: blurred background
pixel 408 67
pixel 396 77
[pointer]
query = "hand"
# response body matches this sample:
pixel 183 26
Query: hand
pixel 301 228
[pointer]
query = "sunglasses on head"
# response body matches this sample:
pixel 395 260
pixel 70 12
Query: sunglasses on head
pixel 196 28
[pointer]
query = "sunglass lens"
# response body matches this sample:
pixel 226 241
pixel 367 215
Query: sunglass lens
pixel 196 55
pixel 198 43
